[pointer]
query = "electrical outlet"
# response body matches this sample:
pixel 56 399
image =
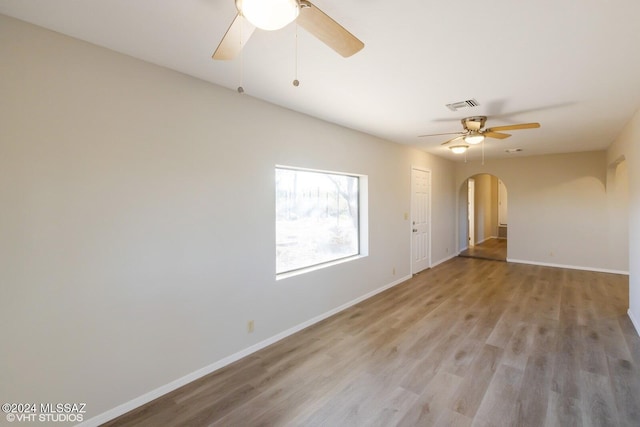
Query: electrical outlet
pixel 250 326
pixel 406 215
pixel 550 253
pixel 394 271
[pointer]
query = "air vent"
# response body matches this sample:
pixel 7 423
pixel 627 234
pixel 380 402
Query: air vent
pixel 469 103
pixel 513 150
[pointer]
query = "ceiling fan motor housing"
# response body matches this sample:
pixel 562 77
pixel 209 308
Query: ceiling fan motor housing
pixel 474 122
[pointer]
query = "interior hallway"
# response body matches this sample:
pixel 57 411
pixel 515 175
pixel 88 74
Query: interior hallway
pixel 491 249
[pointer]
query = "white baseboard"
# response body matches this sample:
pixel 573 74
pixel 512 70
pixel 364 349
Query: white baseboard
pixel 443 260
pixel 572 267
pixel 635 322
pixel 173 385
pixel 462 250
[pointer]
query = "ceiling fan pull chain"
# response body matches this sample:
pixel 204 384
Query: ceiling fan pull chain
pixel 296 82
pixel 240 88
pixel 483 152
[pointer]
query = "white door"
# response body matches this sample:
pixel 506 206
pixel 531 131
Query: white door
pixel 420 220
pixel 471 208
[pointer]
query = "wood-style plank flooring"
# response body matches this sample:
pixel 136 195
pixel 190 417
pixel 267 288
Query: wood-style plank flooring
pixel 493 249
pixel 470 342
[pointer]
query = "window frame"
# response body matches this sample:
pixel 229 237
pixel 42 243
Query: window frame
pixel 362 228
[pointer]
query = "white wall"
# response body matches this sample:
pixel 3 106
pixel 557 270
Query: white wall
pixel 558 210
pixel 486 207
pixel 137 220
pixel 618 206
pixel 627 147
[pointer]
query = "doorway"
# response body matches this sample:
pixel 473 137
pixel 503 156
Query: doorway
pixel 484 232
pixel 420 220
pixel 503 212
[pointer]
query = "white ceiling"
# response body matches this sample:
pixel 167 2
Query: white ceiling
pixel 572 65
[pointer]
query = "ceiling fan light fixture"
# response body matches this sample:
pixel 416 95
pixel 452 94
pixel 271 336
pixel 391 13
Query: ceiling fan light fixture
pixel 459 149
pixel 474 138
pixel 269 14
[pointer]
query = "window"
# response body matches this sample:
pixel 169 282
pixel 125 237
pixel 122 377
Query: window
pixel 317 218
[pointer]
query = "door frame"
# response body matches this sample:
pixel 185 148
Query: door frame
pixel 471 212
pixel 430 186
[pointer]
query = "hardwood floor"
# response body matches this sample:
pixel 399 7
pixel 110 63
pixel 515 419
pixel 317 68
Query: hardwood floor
pixel 493 249
pixel 470 342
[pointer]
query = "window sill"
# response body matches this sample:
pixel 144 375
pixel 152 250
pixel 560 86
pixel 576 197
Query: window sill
pixel 305 270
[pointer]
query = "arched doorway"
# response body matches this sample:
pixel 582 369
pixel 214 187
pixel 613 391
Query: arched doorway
pixel 484 217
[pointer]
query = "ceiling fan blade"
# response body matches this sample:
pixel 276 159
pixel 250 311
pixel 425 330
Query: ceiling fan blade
pixel 440 134
pixel 515 127
pixel 327 30
pixel 496 135
pixel 234 39
pixel 453 139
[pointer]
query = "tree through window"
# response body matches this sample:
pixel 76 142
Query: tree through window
pixel 317 218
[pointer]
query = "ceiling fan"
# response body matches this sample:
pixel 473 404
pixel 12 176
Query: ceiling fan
pixel 275 14
pixel 474 132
